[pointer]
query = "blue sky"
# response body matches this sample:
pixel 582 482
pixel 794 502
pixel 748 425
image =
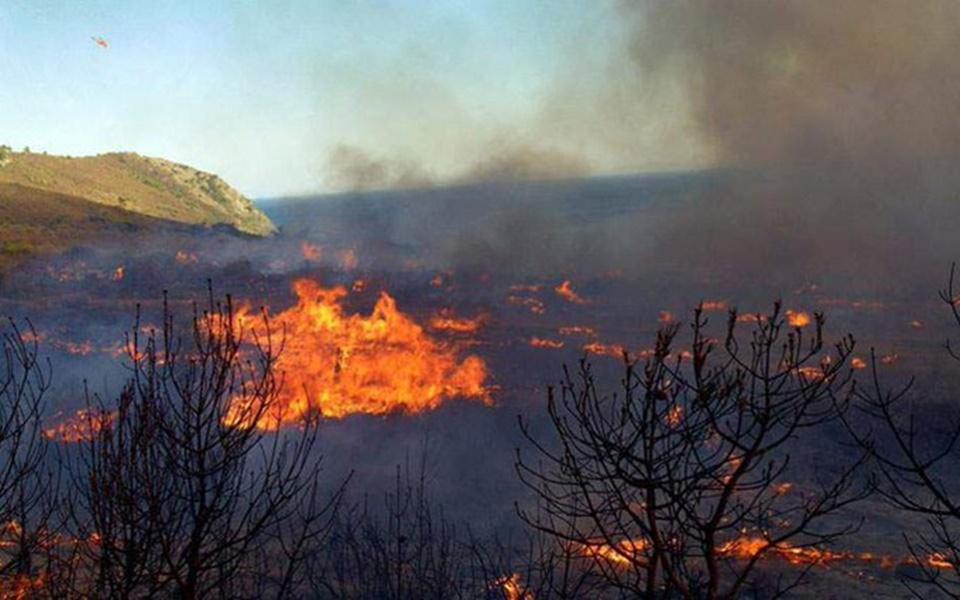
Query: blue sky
pixel 260 92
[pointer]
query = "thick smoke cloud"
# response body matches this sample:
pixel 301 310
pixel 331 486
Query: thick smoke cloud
pixel 840 119
pixel 794 83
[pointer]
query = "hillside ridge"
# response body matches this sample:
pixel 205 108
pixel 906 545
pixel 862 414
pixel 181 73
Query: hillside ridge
pixel 150 186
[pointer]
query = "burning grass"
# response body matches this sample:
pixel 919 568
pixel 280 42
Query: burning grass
pixel 339 364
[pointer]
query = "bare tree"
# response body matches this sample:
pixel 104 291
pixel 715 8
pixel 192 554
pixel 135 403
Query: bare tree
pixel 677 485
pixel 29 475
pixel 916 453
pixel 186 486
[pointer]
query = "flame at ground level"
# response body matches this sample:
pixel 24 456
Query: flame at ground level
pixel 340 364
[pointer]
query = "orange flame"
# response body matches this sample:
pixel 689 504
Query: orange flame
pixel 675 416
pixel 340 364
pixel 622 553
pixel 538 342
pixel 447 321
pixel 513 588
pixel 565 291
pixel 82 426
pixel 614 350
pixel 798 318
pixel 713 305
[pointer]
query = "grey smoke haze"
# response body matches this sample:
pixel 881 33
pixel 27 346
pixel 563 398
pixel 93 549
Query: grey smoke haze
pixel 787 83
pixel 844 115
pixel 352 168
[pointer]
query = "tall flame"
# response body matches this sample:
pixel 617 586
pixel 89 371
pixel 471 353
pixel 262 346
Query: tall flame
pixel 342 364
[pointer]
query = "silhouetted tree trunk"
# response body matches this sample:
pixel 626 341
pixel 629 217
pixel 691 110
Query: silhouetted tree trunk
pixel 29 478
pixel 916 455
pixel 188 488
pixel 673 486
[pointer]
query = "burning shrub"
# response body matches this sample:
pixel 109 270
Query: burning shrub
pixel 674 487
pixel 179 495
pixel 340 364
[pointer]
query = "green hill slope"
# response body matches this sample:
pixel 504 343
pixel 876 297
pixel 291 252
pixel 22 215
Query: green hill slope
pixel 149 186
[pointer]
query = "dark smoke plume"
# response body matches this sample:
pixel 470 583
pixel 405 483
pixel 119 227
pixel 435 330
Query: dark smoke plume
pixel 794 83
pixel 841 117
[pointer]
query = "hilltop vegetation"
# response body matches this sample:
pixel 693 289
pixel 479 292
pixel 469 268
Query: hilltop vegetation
pixel 149 186
pixel 50 204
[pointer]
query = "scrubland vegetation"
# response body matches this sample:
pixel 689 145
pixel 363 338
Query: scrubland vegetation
pixel 677 485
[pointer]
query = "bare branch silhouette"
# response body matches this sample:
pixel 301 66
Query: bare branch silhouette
pixel 676 485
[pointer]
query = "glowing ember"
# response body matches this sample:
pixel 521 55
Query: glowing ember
pixel 916 324
pixel 565 291
pixel 713 305
pixel 348 259
pixel 614 350
pixel 341 364
pixel 747 547
pixel 578 330
pixel 666 317
pixel 447 321
pixel 675 416
pixel 798 318
pixel 622 553
pixel 80 427
pixel 939 561
pixel 118 273
pixel 513 588
pixel 533 305
pixel 538 342
pixel 858 363
pixel 889 359
pixel 783 489
pixel 185 258
pixel 811 373
pixel 311 252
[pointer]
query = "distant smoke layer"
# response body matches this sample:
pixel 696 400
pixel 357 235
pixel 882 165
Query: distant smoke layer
pixel 775 83
pixel 844 112
pixel 835 125
pixel 351 168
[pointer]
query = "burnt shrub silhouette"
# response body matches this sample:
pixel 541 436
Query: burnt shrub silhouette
pixel 676 486
pixel 406 548
pixel 184 487
pixel 29 477
pixel 915 451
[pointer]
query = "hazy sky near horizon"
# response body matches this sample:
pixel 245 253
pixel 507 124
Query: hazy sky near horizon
pixel 262 92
